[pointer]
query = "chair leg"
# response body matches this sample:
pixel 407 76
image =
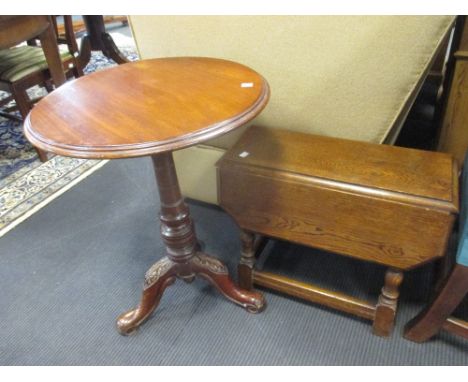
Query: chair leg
pixel 24 106
pixel 22 100
pixel 432 319
pixel 49 86
pixel 77 69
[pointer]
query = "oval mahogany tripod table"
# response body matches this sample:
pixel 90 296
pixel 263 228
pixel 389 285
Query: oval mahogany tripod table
pixel 153 107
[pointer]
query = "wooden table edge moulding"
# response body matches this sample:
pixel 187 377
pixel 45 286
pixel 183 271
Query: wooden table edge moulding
pixel 153 107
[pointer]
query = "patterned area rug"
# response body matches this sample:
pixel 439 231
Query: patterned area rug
pixel 15 151
pixel 26 184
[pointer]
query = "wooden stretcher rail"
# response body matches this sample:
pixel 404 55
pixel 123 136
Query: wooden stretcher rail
pixel 315 294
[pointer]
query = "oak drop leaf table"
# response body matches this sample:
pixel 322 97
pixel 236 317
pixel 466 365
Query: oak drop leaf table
pixel 153 107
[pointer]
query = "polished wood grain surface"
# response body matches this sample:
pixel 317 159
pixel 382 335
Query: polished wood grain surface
pixel 367 201
pixel 379 167
pixel 147 107
pixel 372 229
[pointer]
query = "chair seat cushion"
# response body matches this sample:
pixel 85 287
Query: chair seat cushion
pixel 21 61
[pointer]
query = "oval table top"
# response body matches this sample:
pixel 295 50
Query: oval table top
pixel 146 107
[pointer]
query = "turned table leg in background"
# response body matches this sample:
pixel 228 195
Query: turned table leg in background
pixel 184 259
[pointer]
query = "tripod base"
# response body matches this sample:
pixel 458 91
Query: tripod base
pixel 165 272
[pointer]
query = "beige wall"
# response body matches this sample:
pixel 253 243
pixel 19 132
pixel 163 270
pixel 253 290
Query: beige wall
pixel 347 76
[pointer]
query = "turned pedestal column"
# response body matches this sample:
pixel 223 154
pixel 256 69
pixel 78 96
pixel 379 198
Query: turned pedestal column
pixel 151 108
pixel 184 260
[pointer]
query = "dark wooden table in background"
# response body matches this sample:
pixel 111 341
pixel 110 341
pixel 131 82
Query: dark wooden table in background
pixel 153 107
pixel 97 39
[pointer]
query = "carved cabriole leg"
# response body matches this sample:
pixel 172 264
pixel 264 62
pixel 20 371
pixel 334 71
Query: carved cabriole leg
pixel 217 274
pixel 183 257
pixel 387 305
pixel 157 279
pixel 247 260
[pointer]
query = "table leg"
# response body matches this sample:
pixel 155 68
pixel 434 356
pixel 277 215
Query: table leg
pixel 98 39
pixel 247 261
pixel 184 259
pixel 85 51
pixel 111 50
pixel 386 308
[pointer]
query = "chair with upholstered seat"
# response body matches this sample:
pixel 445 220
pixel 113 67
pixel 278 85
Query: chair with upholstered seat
pixel 24 66
pixel 437 315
